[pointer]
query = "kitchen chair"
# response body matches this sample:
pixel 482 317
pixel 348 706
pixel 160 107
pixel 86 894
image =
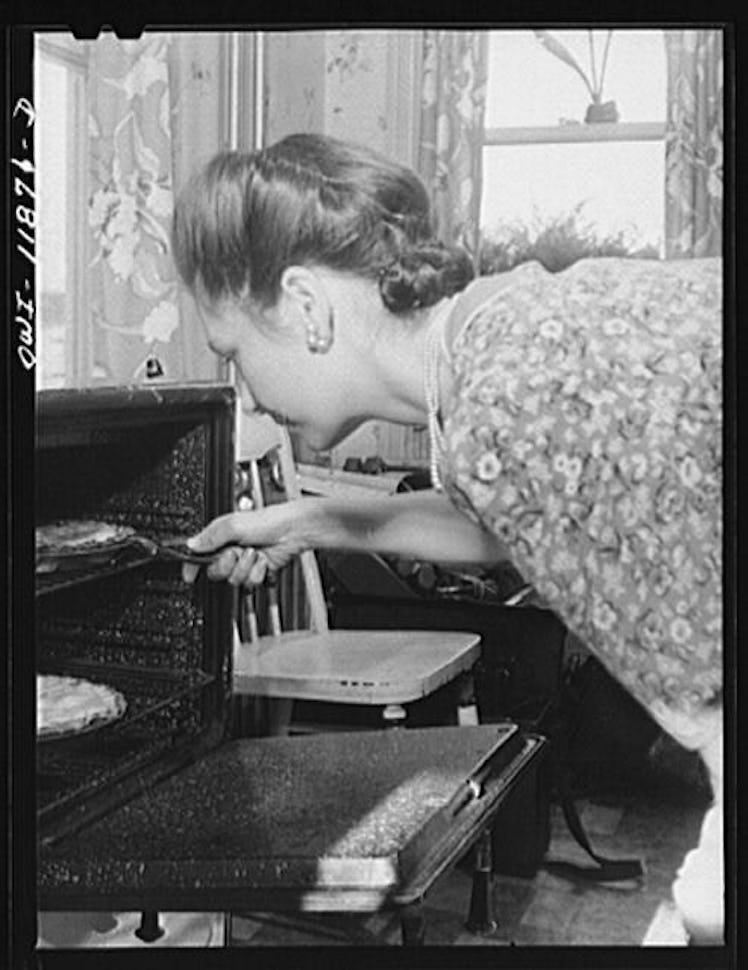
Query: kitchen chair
pixel 387 668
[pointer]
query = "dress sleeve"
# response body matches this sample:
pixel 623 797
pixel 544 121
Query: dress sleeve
pixel 585 431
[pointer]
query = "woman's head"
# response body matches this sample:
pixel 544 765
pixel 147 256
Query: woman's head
pixel 312 200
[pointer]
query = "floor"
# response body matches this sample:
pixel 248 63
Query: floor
pixel 658 825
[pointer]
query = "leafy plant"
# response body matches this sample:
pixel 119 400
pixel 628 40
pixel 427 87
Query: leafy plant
pixel 593 83
pixel 556 243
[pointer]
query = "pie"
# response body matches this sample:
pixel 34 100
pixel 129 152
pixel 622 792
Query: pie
pixel 69 705
pixel 78 535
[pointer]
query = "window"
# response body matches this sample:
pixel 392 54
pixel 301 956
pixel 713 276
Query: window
pixel 99 306
pixel 59 95
pixel 542 161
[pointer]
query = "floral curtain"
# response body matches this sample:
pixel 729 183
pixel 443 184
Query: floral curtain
pixel 693 143
pixel 453 97
pixel 153 104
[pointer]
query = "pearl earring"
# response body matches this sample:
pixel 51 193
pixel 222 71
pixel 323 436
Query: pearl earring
pixel 316 342
pixel 319 343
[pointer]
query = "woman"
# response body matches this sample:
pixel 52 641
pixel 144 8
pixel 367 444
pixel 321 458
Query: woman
pixel 574 419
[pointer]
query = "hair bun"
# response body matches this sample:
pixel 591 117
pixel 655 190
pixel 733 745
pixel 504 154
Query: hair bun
pixel 424 274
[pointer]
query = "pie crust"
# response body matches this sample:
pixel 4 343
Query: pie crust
pixel 78 535
pixel 70 705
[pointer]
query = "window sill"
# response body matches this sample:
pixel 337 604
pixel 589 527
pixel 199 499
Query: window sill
pixel 575 132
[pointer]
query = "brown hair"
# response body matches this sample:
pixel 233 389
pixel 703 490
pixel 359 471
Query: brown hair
pixel 308 199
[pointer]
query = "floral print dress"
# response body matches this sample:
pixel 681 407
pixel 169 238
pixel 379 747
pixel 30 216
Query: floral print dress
pixel 584 429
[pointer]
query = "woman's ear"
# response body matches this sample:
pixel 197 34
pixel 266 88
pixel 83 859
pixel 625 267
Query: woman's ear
pixel 309 306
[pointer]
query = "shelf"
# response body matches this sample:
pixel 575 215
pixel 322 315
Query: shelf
pixel 577 132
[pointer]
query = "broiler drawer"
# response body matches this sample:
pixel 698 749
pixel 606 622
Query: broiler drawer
pixel 368 817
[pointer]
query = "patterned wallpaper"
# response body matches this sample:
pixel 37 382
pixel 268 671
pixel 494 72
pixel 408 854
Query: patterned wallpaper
pixel 355 85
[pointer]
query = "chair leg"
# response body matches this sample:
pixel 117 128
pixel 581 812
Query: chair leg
pixel 413 924
pixel 467 707
pixel 480 917
pixel 394 716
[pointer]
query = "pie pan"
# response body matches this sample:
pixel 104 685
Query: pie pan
pixel 94 725
pixel 50 555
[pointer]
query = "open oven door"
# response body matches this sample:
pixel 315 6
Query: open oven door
pixel 351 821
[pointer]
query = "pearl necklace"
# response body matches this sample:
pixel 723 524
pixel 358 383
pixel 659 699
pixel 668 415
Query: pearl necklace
pixel 433 351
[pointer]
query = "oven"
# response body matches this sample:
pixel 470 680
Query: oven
pixel 158 461
pixel 161 809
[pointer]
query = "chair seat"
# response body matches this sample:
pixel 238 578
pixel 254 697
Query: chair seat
pixel 353 666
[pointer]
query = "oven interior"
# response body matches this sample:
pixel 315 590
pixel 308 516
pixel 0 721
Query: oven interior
pixel 162 464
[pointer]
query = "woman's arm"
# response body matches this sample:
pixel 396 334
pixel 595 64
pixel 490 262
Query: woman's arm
pixel 415 525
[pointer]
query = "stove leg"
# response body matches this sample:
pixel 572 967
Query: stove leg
pixel 149 930
pixel 412 924
pixel 480 918
pixel 394 716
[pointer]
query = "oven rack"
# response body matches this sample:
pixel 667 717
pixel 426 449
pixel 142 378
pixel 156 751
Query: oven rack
pixel 146 690
pixel 126 554
pixel 78 571
pixel 92 570
pixel 161 708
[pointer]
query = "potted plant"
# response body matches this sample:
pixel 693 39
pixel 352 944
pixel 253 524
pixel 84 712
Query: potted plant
pixel 599 111
pixel 556 242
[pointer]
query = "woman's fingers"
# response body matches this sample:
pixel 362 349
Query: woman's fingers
pixel 189 572
pixel 221 567
pixel 238 566
pixel 259 570
pixel 225 562
pixel 240 573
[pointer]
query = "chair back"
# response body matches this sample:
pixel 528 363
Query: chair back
pixel 309 566
pixel 258 436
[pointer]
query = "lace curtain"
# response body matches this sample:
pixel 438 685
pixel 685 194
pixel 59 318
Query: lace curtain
pixel 453 98
pixel 154 114
pixel 693 143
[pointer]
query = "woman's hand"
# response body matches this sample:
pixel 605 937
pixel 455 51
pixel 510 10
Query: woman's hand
pixel 251 544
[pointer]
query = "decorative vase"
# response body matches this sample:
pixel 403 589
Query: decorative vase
pixel 601 113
